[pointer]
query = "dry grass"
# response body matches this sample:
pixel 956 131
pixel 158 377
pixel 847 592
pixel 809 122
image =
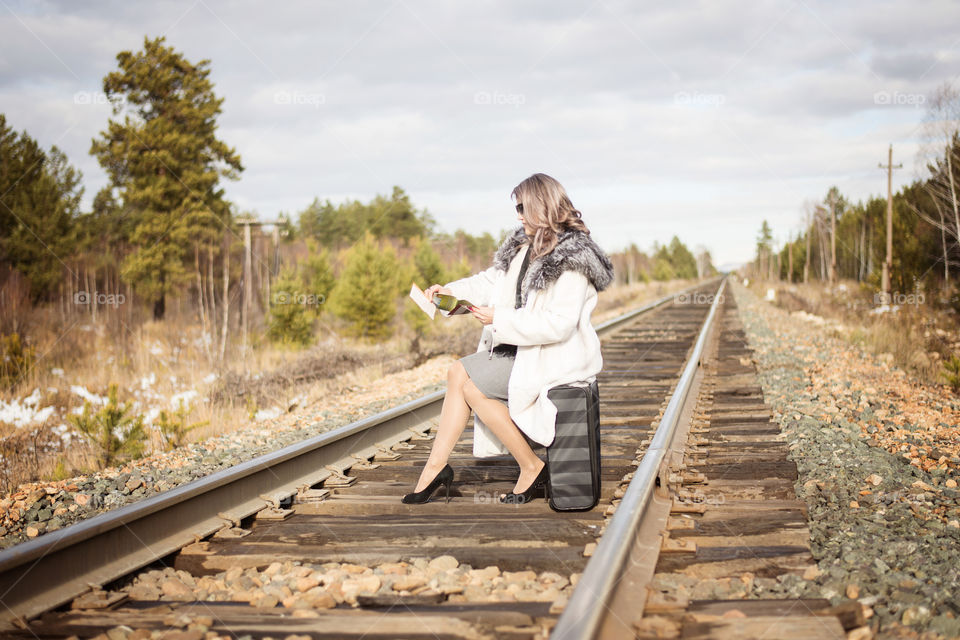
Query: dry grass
pixel 917 337
pixel 620 299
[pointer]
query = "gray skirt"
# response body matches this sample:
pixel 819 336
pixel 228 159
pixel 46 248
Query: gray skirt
pixel 489 374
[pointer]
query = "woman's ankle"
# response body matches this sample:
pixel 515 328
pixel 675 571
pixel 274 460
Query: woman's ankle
pixel 534 468
pixel 433 468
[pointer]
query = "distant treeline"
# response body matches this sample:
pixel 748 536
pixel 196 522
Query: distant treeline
pixel 841 239
pixel 161 235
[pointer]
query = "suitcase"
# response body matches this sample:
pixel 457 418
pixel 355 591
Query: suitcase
pixel 573 459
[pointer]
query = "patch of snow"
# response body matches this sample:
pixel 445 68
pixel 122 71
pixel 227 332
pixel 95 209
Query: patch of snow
pixel 148 381
pixel 23 415
pixel 86 395
pixel 57 371
pixel 152 414
pixel 885 308
pixel 32 399
pixel 267 414
pixel 297 401
pixel 185 396
pixel 210 377
pixel 65 432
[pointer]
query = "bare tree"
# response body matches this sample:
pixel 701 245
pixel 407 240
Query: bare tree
pixel 941 135
pixel 821 222
pixel 809 214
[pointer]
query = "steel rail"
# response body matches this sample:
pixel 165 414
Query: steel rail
pixel 613 324
pixel 44 573
pixel 583 615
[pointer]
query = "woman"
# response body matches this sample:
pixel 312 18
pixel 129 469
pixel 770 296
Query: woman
pixel 536 304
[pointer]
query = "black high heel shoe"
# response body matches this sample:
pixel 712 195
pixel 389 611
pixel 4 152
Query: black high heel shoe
pixel 445 477
pixel 537 489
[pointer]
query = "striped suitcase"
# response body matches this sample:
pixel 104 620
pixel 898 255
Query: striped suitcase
pixel 573 459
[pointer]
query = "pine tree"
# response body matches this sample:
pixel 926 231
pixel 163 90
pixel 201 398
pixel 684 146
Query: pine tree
pixel 682 261
pixel 166 163
pixel 395 217
pixel 291 317
pixel 39 203
pixel 318 276
pixel 662 264
pixel 111 431
pixel 366 292
pixel 764 246
pixel 429 267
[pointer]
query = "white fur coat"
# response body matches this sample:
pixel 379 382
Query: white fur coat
pixel 556 343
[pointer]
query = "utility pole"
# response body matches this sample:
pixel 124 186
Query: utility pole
pixel 247 276
pixel 888 263
pixel 247 222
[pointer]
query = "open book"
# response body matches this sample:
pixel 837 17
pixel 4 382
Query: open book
pixel 443 301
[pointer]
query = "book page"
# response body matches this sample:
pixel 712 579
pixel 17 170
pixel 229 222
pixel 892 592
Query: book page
pixel 420 298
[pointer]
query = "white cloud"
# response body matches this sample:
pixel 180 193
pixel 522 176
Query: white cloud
pixel 698 120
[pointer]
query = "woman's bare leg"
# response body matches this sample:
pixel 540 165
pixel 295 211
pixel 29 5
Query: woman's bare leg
pixel 496 416
pixel 453 419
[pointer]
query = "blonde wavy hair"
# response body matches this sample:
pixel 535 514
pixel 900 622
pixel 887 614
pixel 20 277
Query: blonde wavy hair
pixel 548 209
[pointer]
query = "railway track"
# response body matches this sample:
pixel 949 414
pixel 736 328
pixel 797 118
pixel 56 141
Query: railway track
pixel 332 505
pixel 721 528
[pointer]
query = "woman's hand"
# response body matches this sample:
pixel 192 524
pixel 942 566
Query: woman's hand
pixel 436 288
pixel 483 314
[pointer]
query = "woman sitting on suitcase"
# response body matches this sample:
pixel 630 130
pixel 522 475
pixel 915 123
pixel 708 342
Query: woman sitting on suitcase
pixel 536 304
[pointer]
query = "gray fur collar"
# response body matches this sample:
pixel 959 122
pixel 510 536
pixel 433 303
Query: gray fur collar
pixel 575 251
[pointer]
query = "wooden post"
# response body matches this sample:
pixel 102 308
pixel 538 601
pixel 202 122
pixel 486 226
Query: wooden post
pixel 248 222
pixel 888 262
pixel 247 278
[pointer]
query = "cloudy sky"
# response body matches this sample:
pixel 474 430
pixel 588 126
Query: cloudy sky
pixel 698 119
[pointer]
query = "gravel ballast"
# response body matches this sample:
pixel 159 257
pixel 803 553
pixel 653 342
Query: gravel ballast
pixel 876 470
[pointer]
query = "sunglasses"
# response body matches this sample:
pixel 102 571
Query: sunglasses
pixel 520 208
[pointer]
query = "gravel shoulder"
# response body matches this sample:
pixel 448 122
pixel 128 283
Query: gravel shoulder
pixel 878 462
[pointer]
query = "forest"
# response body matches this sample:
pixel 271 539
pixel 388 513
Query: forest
pixel 843 240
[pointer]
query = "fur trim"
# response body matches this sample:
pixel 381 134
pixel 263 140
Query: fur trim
pixel 575 251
